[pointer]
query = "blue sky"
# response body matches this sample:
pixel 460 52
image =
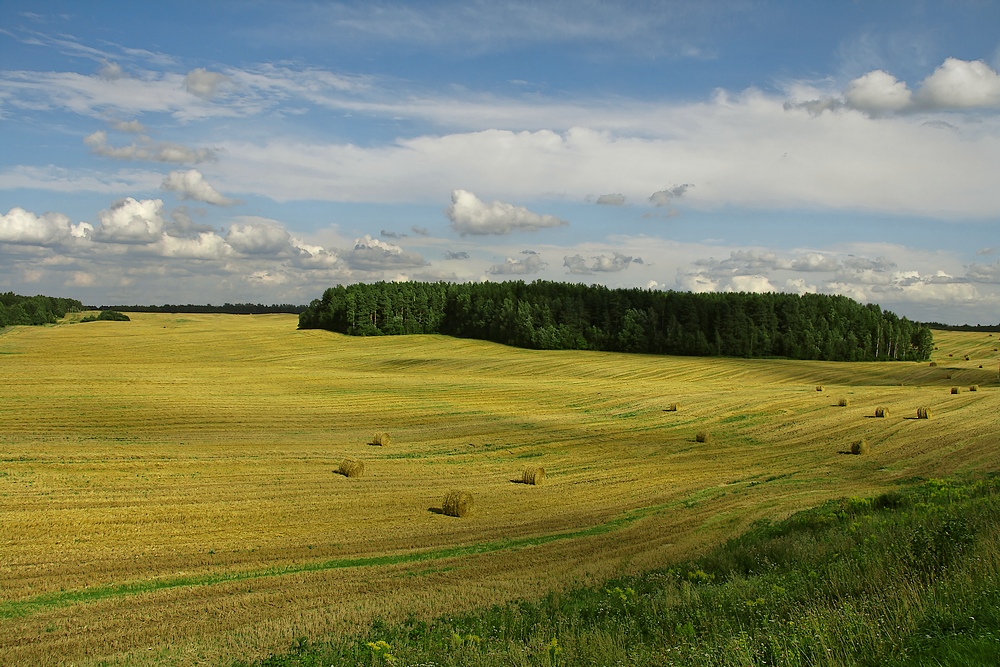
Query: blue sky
pixel 263 151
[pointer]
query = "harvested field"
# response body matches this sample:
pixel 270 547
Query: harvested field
pixel 166 493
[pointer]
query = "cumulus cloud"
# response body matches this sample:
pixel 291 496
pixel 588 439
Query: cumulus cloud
pixel 192 185
pixel 664 197
pixel 878 92
pixel 258 236
pixel 110 71
pixel 601 263
pixel 614 199
pixel 373 254
pixel 147 150
pixel 419 231
pixel 207 246
pixel 955 85
pixel 21 227
pixel 132 222
pixel 757 283
pixel 531 264
pixel 961 84
pixel 129 126
pixel 202 83
pixel 470 215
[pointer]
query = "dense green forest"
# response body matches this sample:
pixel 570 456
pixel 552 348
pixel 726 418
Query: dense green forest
pixel 568 316
pixel 28 310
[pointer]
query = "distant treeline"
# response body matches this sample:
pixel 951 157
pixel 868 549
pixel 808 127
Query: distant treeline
pixel 567 316
pixel 29 310
pixel 963 327
pixel 230 308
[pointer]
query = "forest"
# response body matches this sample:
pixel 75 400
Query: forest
pixel 34 310
pixel 569 316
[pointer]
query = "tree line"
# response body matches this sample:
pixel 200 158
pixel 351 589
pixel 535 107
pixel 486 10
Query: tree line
pixel 570 316
pixel 227 308
pixel 34 310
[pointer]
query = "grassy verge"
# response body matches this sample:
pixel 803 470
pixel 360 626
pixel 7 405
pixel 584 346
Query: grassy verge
pixel 904 579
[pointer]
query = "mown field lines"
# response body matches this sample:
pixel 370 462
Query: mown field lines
pixel 170 484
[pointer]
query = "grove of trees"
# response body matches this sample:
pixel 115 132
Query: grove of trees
pixel 569 316
pixel 34 310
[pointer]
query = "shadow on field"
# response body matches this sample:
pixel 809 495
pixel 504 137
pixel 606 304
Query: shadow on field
pixel 435 510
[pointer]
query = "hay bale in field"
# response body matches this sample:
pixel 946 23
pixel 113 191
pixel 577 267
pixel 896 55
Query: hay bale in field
pixel 881 412
pixel 859 446
pixel 671 408
pixel 703 436
pixel 381 439
pixel 352 468
pixel 974 387
pixel 534 475
pixel 933 363
pixel 955 390
pixel 457 503
pixel 819 387
pixel 843 403
pixel 923 413
pixel 966 357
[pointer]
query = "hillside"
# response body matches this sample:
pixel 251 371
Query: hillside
pixel 176 502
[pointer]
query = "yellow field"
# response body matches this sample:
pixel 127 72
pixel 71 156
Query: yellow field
pixel 168 486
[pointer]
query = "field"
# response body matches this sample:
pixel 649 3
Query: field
pixel 169 494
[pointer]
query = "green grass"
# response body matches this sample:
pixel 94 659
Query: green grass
pixel 907 578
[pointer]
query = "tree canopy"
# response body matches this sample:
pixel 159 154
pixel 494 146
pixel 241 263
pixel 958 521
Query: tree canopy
pixel 33 310
pixel 569 316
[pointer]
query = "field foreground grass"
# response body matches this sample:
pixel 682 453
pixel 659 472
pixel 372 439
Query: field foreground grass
pixel 906 579
pixel 168 491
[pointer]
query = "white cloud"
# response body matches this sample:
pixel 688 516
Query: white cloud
pixel 601 263
pixel 147 150
pixel 531 264
pixel 470 215
pixel 131 221
pixel 878 92
pixel 614 199
pixel 259 236
pixel 207 245
pixel 21 227
pixel 961 84
pixel 371 254
pixel 664 197
pixel 758 284
pixel 202 83
pixel 192 185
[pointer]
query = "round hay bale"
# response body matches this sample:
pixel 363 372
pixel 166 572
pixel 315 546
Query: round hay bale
pixel 671 408
pixel 923 413
pixel 933 363
pixel 534 475
pixel 381 439
pixel 352 468
pixel 881 412
pixel 859 447
pixel 819 387
pixel 457 503
pixel 955 390
pixel 703 436
pixel 974 387
pixel 843 403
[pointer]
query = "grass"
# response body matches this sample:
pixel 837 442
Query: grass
pixel 908 577
pixel 185 482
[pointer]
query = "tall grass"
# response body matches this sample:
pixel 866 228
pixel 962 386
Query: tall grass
pixel 907 578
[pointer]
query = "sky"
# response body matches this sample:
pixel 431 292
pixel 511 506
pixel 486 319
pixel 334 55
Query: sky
pixel 260 151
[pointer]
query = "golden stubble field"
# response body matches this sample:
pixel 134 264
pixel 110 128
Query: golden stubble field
pixel 168 491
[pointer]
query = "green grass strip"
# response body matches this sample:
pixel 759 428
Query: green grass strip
pixel 29 606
